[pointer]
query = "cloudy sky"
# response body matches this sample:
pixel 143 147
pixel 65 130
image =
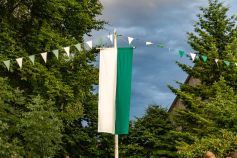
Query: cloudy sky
pixel 165 21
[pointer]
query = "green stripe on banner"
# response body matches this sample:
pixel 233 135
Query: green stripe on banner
pixel 123 91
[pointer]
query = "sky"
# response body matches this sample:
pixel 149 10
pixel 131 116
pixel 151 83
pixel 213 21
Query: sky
pixel 159 21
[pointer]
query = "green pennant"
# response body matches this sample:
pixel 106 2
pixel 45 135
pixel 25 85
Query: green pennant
pixel 32 59
pixel 160 46
pixel 227 62
pixel 181 53
pixel 204 58
pixel 100 42
pixel 56 52
pixel 78 46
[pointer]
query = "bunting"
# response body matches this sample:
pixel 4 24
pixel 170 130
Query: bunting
pixel 204 58
pixel 32 59
pixel 181 53
pixel 130 39
pixel 44 56
pixel 193 56
pixel 148 43
pixel 227 63
pixel 78 46
pixel 19 62
pixel 67 50
pixel 89 43
pixel 110 37
pixel 56 52
pixel 161 46
pixel 7 64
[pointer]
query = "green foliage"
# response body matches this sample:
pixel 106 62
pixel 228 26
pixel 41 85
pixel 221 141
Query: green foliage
pixel 220 143
pixel 40 128
pixel 214 36
pixel 83 138
pixel 150 136
pixel 9 145
pixel 42 105
pixel 209 120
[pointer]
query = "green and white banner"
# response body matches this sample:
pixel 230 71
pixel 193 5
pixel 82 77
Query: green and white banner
pixel 115 90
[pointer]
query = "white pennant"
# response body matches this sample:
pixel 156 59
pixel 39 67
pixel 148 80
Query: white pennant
pixel 130 39
pixel 193 56
pixel 89 43
pixel 32 59
pixel 19 62
pixel 149 43
pixel 7 63
pixel 44 56
pixel 110 36
pixel 236 64
pixel 67 50
pixel 55 52
pixel 78 46
pixel 216 60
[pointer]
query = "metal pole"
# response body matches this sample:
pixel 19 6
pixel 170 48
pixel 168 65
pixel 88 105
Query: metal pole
pixel 116 140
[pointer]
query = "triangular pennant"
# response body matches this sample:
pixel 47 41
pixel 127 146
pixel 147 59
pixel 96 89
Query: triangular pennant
pixel 204 58
pixel 110 36
pixel 181 53
pixel 99 42
pixel 78 46
pixel 160 45
pixel 227 62
pixel 193 56
pixel 7 63
pixel 44 56
pixel 149 43
pixel 19 62
pixel 130 39
pixel 32 59
pixel 56 52
pixel 197 56
pixel 89 43
pixel 67 50
pixel 216 60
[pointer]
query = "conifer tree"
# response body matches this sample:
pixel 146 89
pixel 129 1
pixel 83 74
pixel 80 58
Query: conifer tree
pixel 209 106
pixel 150 136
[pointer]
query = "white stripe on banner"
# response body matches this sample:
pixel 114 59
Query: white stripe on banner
pixel 107 90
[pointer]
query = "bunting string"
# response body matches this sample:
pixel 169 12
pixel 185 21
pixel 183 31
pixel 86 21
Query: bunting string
pixel 193 55
pixel 44 55
pixel 130 40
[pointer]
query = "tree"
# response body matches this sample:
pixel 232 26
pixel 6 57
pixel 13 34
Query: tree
pixel 9 145
pixel 150 136
pixel 209 125
pixel 40 128
pixel 30 27
pixel 209 115
pixel 214 36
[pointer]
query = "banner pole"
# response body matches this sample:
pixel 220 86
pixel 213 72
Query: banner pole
pixel 116 147
pixel 116 140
